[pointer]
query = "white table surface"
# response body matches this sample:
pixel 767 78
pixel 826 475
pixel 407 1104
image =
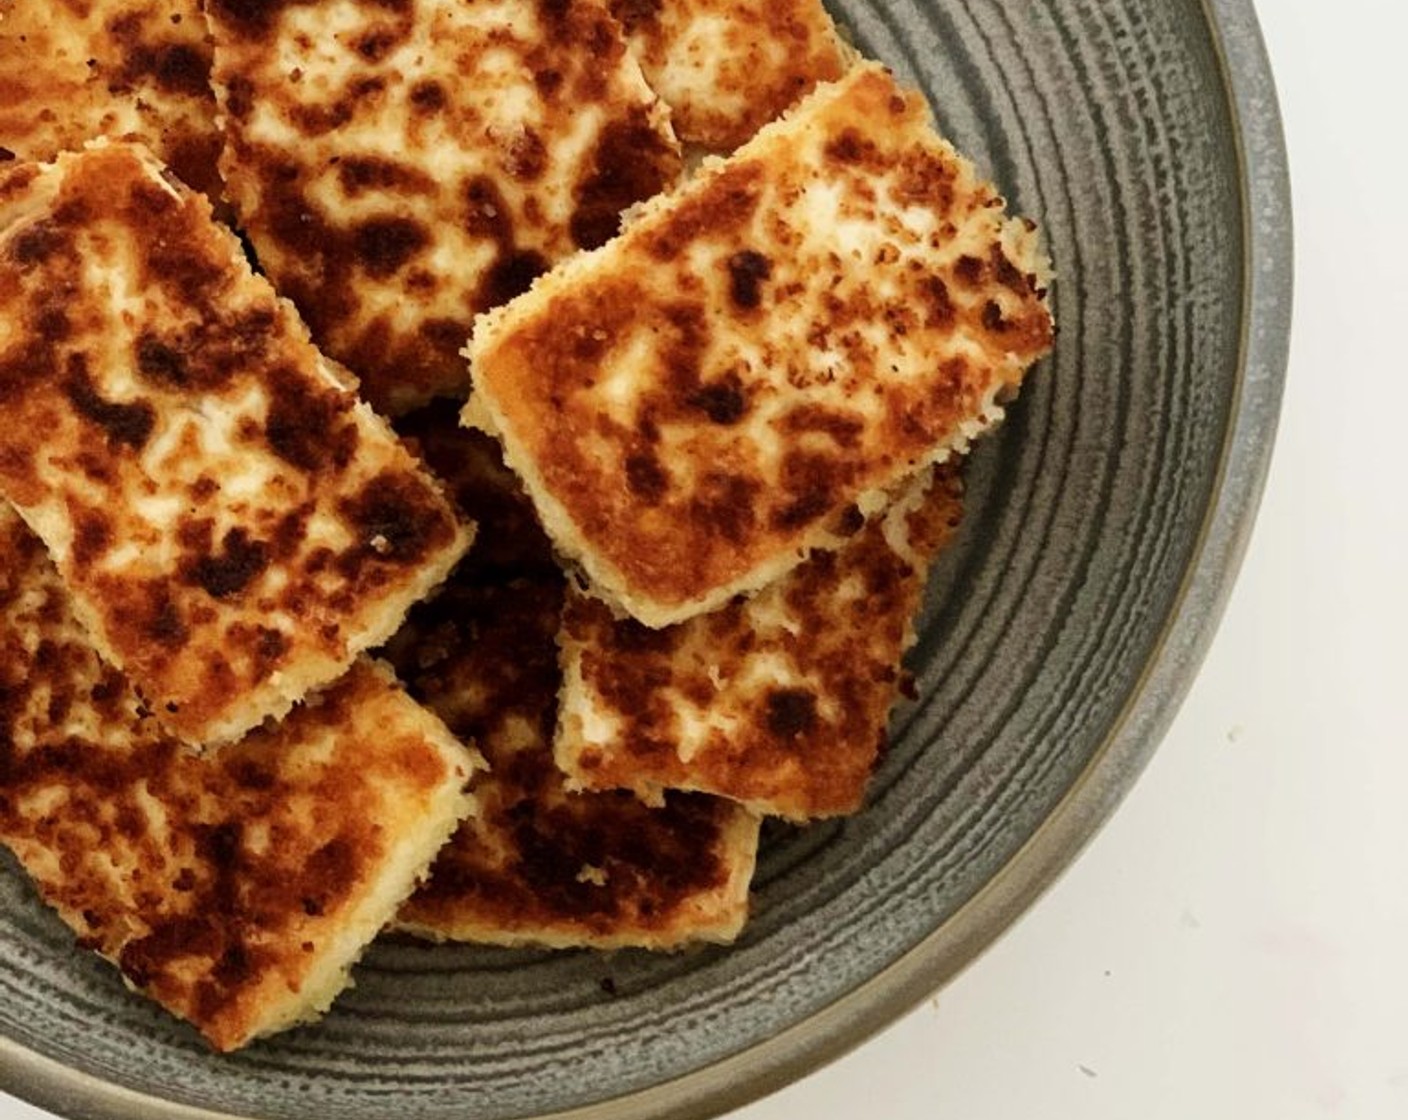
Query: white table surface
pixel 1235 943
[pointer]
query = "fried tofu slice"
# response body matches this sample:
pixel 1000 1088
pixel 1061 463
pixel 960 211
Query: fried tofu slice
pixel 539 865
pixel 401 168
pixel 236 889
pixel 728 67
pixel 788 337
pixel 234 524
pixel 779 701
pixel 124 69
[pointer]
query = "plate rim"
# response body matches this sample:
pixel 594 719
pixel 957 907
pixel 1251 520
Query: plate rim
pixel 806 1046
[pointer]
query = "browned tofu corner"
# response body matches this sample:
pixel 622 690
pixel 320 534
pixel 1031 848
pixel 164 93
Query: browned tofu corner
pixel 235 888
pixel 235 525
pixel 780 701
pixel 401 168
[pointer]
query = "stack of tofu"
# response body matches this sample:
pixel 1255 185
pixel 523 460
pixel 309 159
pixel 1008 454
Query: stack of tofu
pixel 428 504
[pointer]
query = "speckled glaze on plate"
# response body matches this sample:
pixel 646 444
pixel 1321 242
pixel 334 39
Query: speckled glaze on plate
pixel 1107 519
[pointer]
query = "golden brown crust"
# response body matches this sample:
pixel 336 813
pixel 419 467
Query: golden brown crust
pixel 234 888
pixel 402 167
pixel 539 865
pixel 779 701
pixel 795 331
pixel 728 67
pixel 125 69
pixel 235 525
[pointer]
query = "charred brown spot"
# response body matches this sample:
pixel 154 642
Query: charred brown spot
pixel 249 18
pixel 173 264
pixel 850 522
pixel 52 324
pixel 250 773
pixel 632 161
pixel 366 87
pixel 318 120
pixel 127 424
pixel 446 335
pixel 146 958
pixel 396 519
pixel 331 873
pixel 384 245
pixel 486 213
pixel 992 317
pixel 1008 274
pixel 646 477
pixel 850 147
pixel 939 304
pixel 554 13
pixel 159 362
pixel 238 563
pixel 811 481
pixel 841 427
pixel 93 536
pixel 307 426
pixel 376 45
pixel 747 270
pixel 271 645
pixel 635 14
pixel 196 534
pixel 791 712
pixel 527 156
pixel 359 174
pixel 37 244
pixel 29 365
pixel 165 625
pixel 239 97
pixel 802 510
pixel 548 80
pixel 510 276
pixel 722 401
pixel 969 270
pixel 428 97
pixel 146 201
pixel 193 157
pixel 173 67
pixel 235 966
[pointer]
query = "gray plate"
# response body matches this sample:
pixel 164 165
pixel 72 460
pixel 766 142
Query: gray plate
pixel 1108 516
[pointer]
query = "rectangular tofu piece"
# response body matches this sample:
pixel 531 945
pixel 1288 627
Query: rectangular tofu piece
pixel 728 67
pixel 779 701
pixel 401 168
pixel 792 334
pixel 234 524
pixel 539 865
pixel 237 888
pixel 124 69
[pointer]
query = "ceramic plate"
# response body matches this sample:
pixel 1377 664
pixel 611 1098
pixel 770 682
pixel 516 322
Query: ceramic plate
pixel 1107 518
